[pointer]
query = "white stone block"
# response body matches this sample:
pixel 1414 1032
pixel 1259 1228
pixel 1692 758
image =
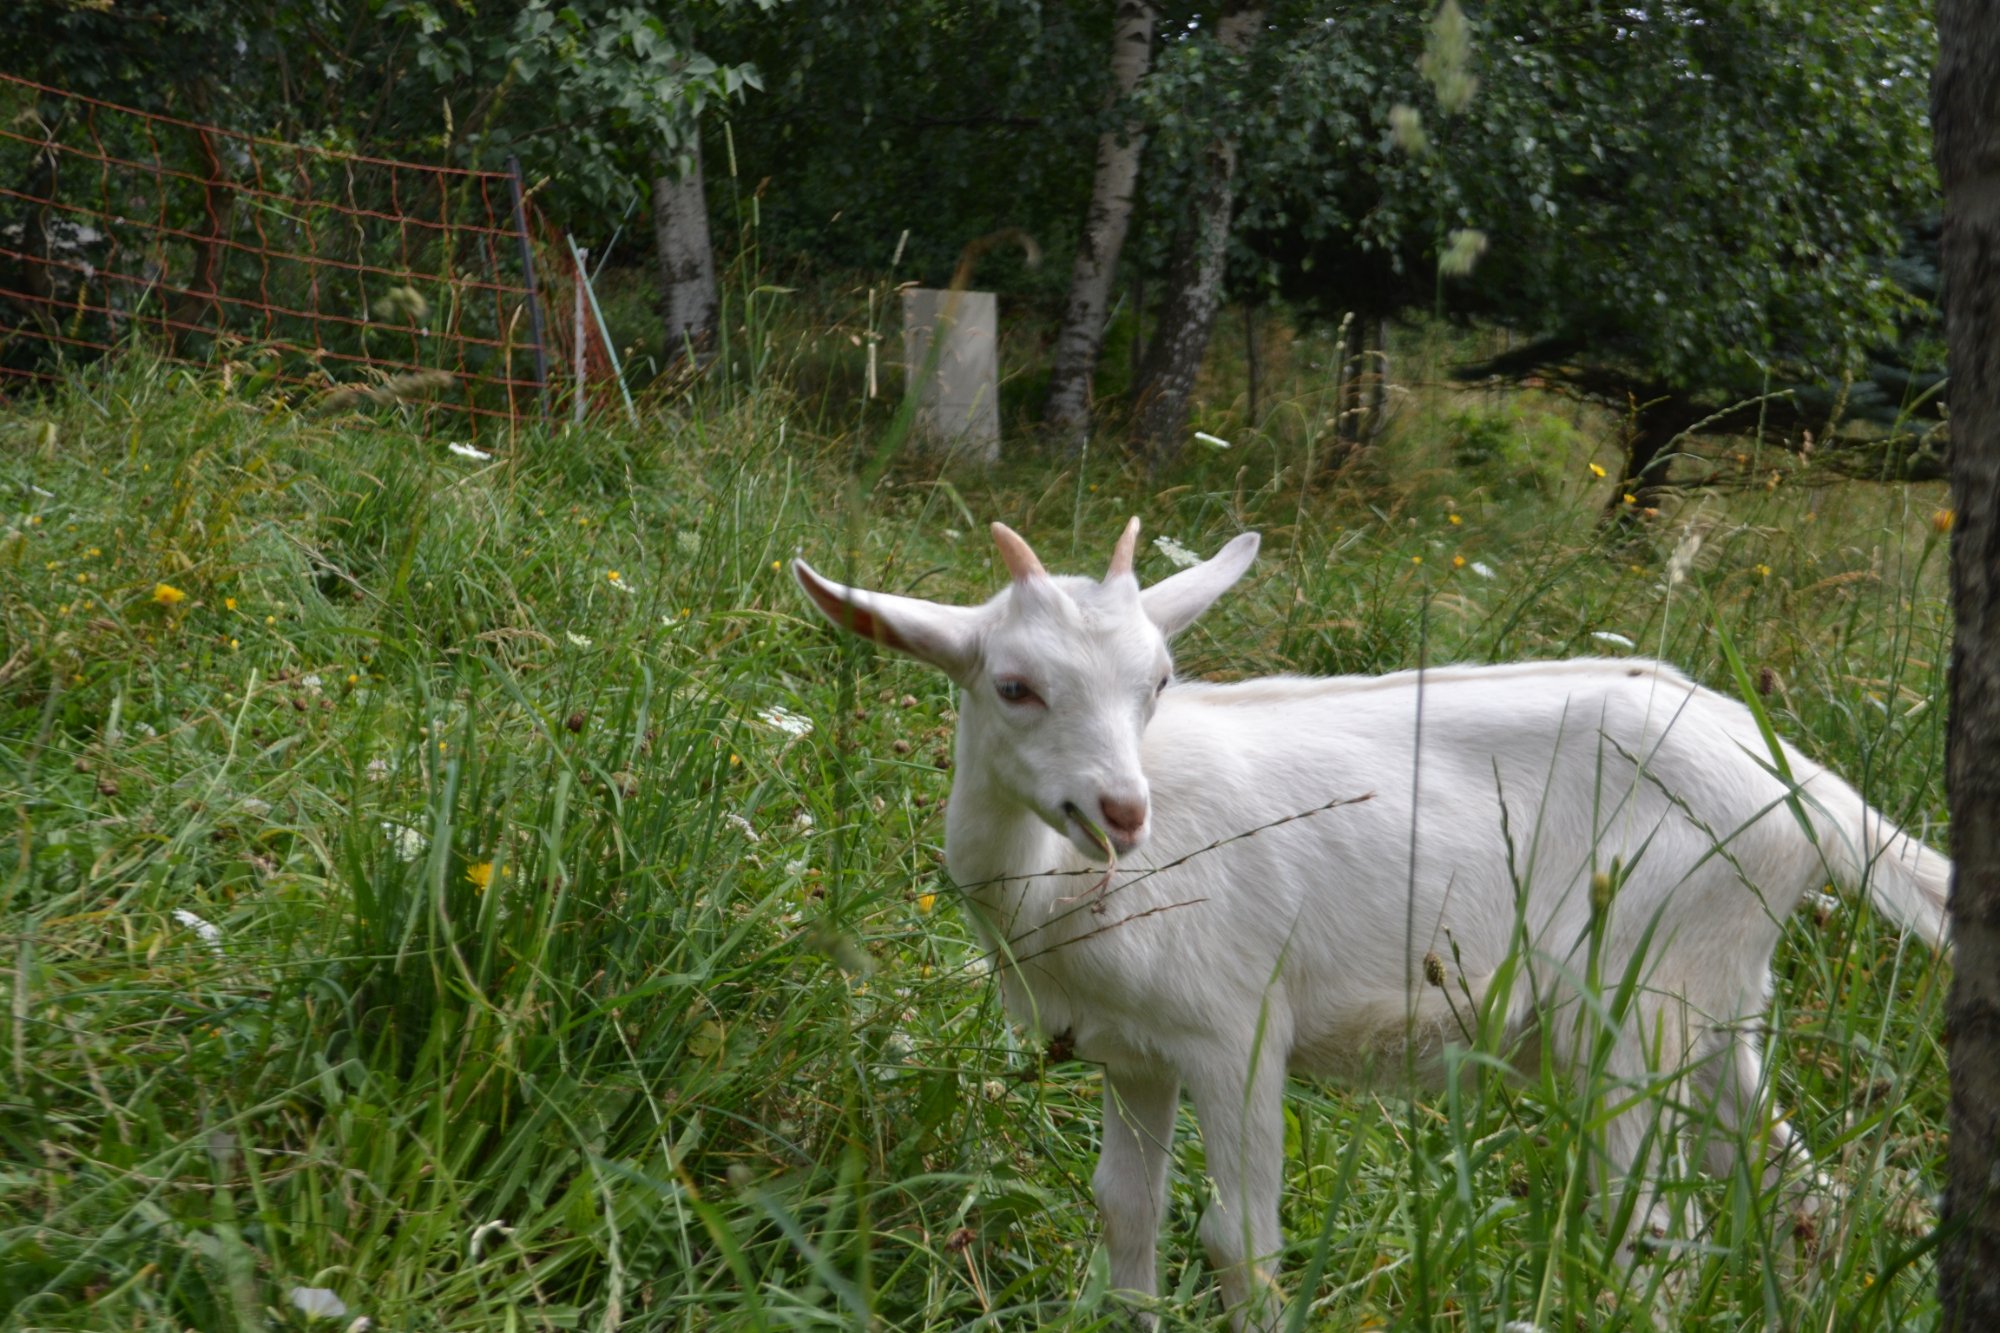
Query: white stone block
pixel 958 403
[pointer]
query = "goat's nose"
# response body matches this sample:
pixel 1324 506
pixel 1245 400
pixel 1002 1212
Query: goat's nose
pixel 1124 818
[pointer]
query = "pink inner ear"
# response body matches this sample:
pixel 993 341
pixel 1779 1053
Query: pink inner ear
pixel 854 618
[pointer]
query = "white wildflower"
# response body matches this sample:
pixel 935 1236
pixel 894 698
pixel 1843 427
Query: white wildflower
pixel 994 1089
pixel 144 729
pixel 1175 552
pixel 1682 560
pixel 479 1234
pixel 1611 636
pixel 797 867
pixel 953 534
pixel 743 826
pixel 575 638
pixel 211 934
pixel 407 843
pixel 361 1324
pixel 689 541
pixel 467 451
pixel 312 683
pixel 803 821
pixel 1520 1326
pixel 785 720
pixel 377 769
pixel 317 1302
pixel 1484 570
pixel 255 808
pixel 1212 441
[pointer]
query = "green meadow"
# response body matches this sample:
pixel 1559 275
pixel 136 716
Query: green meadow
pixel 469 892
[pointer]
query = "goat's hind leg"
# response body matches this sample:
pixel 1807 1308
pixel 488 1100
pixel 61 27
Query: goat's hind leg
pixel 1743 1136
pixel 1140 1103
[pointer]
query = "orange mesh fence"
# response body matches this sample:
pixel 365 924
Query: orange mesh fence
pixel 301 265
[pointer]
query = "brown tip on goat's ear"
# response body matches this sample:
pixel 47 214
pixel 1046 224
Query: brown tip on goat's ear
pixel 1021 562
pixel 1121 554
pixel 845 613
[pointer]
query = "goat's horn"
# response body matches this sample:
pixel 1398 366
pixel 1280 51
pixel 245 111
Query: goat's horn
pixel 1121 554
pixel 1014 553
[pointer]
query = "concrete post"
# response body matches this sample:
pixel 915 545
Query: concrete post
pixel 958 406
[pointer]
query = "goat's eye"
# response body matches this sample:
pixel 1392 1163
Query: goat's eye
pixel 1015 690
pixel 1162 686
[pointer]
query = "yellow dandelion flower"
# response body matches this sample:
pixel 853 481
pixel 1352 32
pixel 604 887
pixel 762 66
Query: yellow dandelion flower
pixel 93 551
pixel 735 759
pixel 1596 471
pixel 479 874
pixel 1763 571
pixel 1458 562
pixel 353 679
pixel 1454 519
pixel 235 644
pixel 229 603
pixel 1416 560
pixel 925 902
pixel 270 620
pixel 1630 498
pixel 1942 521
pixel 777 564
pixel 48 564
pixel 166 594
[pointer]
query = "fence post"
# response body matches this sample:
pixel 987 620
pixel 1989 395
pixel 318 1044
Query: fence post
pixel 528 278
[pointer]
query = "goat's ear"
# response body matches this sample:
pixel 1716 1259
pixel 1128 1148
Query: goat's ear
pixel 947 637
pixel 1173 603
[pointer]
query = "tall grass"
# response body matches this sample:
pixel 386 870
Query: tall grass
pixel 437 903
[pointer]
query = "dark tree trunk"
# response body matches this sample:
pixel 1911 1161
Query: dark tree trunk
pixel 1104 228
pixel 1965 114
pixel 1378 383
pixel 687 259
pixel 1250 358
pixel 1201 253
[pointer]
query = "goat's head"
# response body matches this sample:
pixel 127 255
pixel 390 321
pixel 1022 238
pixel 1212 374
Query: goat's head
pixel 1058 677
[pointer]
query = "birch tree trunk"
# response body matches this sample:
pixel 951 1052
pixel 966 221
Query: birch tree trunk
pixel 1118 152
pixel 687 259
pixel 1201 253
pixel 1965 114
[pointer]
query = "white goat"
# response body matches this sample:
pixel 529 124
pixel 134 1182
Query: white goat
pixel 1487 808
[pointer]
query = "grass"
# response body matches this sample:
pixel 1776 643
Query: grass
pixel 437 903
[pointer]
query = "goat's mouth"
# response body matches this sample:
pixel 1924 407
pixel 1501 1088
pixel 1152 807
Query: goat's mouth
pixel 1105 842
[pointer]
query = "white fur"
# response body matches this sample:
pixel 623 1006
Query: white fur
pixel 1303 948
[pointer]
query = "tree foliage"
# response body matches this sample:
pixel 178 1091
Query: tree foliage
pixel 1709 194
pixel 585 92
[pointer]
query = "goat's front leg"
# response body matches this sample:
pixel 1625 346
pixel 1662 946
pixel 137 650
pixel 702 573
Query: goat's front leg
pixel 1131 1181
pixel 1239 1097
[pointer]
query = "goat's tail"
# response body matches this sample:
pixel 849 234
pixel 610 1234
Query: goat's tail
pixel 1863 849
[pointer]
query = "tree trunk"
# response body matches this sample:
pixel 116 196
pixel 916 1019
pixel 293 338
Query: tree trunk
pixel 1201 253
pixel 1118 150
pixel 687 259
pixel 1965 114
